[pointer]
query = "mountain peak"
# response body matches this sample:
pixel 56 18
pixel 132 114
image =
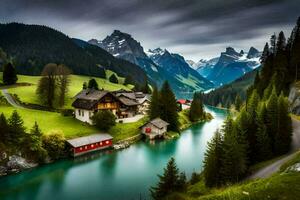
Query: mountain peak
pixel 231 51
pixel 253 52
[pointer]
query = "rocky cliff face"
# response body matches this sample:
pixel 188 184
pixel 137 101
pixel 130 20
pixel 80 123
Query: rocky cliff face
pixel 294 99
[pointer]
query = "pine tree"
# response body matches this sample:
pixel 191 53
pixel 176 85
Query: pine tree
pixel 234 159
pixel 145 88
pixel 154 109
pixel 283 135
pixel 32 143
pixel 196 110
pixel 93 84
pixel 181 183
pixel 263 145
pixel 168 108
pixel 212 161
pixel 16 128
pixel 128 80
pixel 273 42
pixel 9 74
pixel 272 117
pixel 167 181
pixel 243 126
pixel 4 129
pixel 238 102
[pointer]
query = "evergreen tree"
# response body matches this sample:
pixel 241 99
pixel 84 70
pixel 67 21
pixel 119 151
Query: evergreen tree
pixel 32 143
pixel 195 178
pixel 154 109
pixel 16 128
pixel 272 117
pixel 145 88
pixel 238 102
pixel 263 145
pixel 283 135
pixel 167 182
pixel 128 80
pixel 212 161
pixel 168 108
pixel 234 159
pixel 273 42
pixel 181 183
pixel 243 126
pixel 4 129
pixel 113 79
pixel 9 74
pixel 93 84
pixel 196 110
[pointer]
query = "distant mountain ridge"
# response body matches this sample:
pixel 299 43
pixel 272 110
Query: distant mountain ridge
pixel 157 65
pixel 230 65
pixel 34 46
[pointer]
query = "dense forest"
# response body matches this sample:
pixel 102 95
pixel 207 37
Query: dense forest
pixel 31 47
pixel 263 128
pixel 226 95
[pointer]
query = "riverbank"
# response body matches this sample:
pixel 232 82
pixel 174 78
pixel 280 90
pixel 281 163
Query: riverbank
pixel 126 174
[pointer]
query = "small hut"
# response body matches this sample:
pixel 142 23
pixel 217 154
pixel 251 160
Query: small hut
pixel 155 128
pixel 83 145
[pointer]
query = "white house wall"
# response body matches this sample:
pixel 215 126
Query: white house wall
pixel 84 115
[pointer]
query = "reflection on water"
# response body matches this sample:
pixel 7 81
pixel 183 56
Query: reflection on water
pixel 126 174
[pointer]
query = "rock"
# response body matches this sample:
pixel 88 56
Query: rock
pixel 294 99
pixel 19 163
pixel 293 168
pixel 3 171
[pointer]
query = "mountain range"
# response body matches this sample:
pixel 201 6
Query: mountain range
pixel 229 66
pixel 159 65
pixel 33 46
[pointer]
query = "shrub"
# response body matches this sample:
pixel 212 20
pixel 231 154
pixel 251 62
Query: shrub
pixel 54 143
pixel 67 112
pixel 104 120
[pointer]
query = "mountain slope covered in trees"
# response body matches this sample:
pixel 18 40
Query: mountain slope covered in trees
pixel 34 46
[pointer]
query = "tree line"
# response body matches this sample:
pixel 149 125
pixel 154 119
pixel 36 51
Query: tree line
pixel 32 144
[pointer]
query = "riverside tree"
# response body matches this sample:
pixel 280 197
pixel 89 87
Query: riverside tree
pixel 169 182
pixel 16 128
pixel 196 110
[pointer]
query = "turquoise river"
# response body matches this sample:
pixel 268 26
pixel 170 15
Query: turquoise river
pixel 117 175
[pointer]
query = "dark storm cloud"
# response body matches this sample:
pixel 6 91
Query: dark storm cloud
pixel 175 24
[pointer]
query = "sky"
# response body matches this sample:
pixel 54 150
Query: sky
pixel 196 29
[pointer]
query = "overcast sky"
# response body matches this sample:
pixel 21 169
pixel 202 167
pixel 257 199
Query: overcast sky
pixel 194 28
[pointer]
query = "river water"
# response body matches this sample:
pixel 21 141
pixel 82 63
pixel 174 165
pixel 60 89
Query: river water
pixel 119 175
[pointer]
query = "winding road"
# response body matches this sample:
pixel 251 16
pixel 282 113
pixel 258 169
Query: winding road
pixel 10 99
pixel 274 167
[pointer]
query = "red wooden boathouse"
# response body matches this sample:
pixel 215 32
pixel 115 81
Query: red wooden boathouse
pixel 83 145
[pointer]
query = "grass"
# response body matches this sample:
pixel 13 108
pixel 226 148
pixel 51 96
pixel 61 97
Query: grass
pixel 281 185
pixel 123 131
pixel 27 93
pixel 184 120
pixel 263 164
pixel 51 121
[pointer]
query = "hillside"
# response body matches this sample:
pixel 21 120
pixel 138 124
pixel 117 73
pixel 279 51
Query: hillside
pixel 225 95
pixel 282 185
pixel 33 46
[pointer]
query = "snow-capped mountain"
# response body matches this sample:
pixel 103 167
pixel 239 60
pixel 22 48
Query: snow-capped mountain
pixel 230 65
pixel 204 67
pixel 124 46
pixel 177 66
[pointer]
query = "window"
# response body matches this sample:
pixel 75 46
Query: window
pixel 107 142
pixel 100 143
pixel 82 113
pixel 92 146
pixel 85 147
pixel 80 148
pixel 79 113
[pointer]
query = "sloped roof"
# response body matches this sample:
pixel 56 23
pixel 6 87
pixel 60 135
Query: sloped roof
pixel 81 141
pixel 157 122
pixel 91 94
pixel 128 102
pixel 84 104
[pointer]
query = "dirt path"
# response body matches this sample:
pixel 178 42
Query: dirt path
pixel 274 167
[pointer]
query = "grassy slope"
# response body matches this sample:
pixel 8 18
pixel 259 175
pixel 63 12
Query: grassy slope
pixel 27 93
pixel 55 121
pixel 281 185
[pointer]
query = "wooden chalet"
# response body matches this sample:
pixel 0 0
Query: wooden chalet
pixel 155 128
pixel 90 101
pixel 87 144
